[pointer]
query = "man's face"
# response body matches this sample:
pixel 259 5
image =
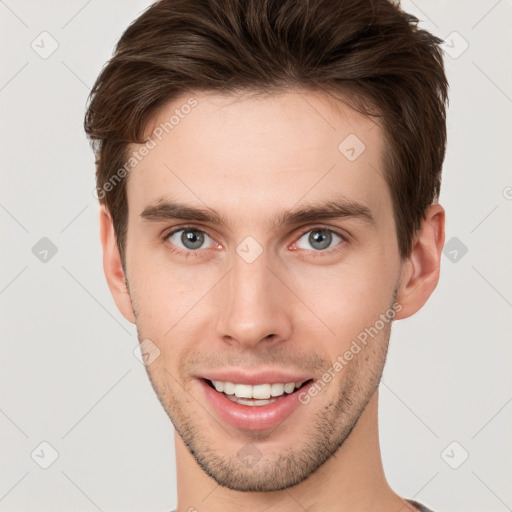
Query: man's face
pixel 254 294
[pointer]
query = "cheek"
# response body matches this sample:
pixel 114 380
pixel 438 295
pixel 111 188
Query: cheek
pixel 164 294
pixel 348 297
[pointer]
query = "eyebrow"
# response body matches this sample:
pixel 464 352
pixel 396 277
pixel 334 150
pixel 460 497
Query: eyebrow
pixel 166 210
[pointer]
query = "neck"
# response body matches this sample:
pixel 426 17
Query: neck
pixel 351 480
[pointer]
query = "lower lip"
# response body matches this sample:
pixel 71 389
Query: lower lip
pixel 257 417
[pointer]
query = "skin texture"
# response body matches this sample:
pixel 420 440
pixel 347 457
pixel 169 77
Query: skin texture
pixel 249 158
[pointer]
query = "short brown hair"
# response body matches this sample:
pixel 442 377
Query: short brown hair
pixel 370 51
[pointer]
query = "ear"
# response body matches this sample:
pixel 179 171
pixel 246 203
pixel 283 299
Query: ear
pixel 112 266
pixel 420 271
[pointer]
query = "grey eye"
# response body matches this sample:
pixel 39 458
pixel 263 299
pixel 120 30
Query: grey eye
pixel 319 239
pixel 190 239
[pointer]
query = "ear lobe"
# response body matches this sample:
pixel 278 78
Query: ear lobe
pixel 420 272
pixel 112 266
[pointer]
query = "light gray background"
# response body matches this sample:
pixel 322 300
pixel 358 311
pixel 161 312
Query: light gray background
pixel 68 373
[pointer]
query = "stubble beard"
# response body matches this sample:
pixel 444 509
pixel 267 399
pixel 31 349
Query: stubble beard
pixel 333 416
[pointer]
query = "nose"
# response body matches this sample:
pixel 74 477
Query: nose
pixel 255 306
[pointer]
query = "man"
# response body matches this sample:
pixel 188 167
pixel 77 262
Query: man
pixel 269 172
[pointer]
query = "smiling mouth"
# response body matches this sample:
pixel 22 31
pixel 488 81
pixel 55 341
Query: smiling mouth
pixel 257 395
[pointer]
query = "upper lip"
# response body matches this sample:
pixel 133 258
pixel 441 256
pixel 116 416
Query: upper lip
pixel 238 376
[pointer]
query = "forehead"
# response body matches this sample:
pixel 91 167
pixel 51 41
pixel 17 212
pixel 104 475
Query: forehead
pixel 264 151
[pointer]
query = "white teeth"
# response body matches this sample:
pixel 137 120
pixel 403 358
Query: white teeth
pixel 243 390
pixel 277 389
pixel 260 391
pixel 288 388
pixel 229 388
pixel 245 401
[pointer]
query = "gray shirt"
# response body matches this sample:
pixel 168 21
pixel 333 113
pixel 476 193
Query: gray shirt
pixel 419 506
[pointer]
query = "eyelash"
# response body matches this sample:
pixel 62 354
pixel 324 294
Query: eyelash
pixel 191 252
